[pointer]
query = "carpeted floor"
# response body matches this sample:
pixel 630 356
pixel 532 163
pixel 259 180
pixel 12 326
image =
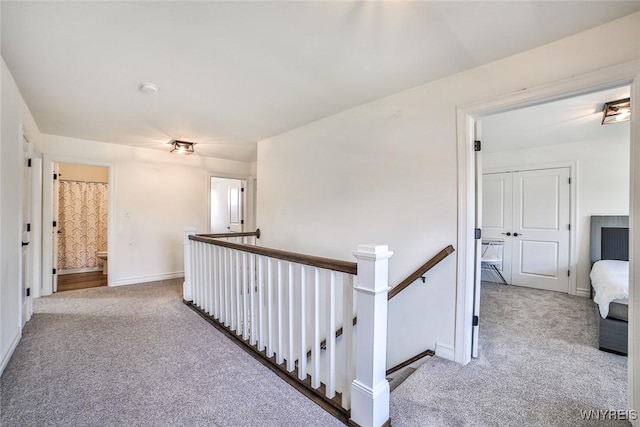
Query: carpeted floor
pixel 539 365
pixel 137 356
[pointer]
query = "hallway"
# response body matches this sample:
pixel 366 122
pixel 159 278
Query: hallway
pixel 136 355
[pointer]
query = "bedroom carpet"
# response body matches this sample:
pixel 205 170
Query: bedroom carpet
pixel 137 356
pixel 539 365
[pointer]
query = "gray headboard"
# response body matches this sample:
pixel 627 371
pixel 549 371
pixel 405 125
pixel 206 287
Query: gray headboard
pixel 609 238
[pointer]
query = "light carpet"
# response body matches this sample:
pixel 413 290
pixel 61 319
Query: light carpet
pixel 137 356
pixel 539 365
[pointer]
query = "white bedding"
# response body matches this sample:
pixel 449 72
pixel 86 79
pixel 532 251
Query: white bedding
pixel 610 281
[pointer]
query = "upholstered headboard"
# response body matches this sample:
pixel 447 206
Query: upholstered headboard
pixel 609 238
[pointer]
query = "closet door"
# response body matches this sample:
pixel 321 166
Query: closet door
pixel 497 214
pixel 540 234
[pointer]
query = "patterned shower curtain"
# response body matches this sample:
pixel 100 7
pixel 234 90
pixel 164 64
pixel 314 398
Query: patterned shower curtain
pixel 82 218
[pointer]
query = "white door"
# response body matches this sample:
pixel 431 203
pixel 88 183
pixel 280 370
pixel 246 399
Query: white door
pixel 530 210
pixel 236 191
pixel 27 298
pixel 475 333
pixel 497 215
pixel 56 229
pixel 541 218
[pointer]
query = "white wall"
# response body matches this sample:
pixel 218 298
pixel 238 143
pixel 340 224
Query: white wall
pixel 154 195
pixel 385 172
pixel 14 113
pixel 602 183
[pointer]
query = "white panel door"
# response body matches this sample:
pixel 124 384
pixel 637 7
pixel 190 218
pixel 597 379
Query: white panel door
pixel 236 192
pixel 497 214
pixel 27 298
pixel 540 235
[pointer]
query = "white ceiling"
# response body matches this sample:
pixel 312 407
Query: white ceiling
pixel 233 73
pixel 576 119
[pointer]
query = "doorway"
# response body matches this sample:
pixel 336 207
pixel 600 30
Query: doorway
pixel 80 255
pixel 614 77
pixel 226 205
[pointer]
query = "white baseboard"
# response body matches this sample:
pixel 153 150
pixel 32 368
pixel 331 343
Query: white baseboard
pixel 445 351
pixel 14 343
pixel 586 293
pixel 145 279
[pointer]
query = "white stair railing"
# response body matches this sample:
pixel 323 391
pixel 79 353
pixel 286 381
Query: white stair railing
pixel 285 304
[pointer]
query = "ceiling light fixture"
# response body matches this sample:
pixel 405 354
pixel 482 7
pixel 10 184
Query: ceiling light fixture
pixel 181 147
pixel 616 111
pixel 149 87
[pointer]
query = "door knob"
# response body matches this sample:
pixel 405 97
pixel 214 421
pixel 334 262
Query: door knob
pixel 507 234
pixel 24 244
pixel 516 234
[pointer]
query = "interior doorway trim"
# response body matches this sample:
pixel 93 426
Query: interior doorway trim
pixel 248 205
pixel 47 217
pixel 616 76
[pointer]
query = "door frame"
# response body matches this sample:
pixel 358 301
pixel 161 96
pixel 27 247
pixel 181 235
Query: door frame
pixel 48 215
pixel 573 212
pixel 248 206
pixel 627 74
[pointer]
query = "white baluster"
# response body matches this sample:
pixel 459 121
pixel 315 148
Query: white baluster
pixel 209 278
pixel 331 336
pixel 238 292
pixel 187 286
pixel 291 330
pixel 253 293
pixel 347 338
pixel 219 292
pixel 270 309
pixel 302 358
pixel 198 288
pixel 214 281
pixel 246 289
pixel 227 280
pixel 370 388
pixel 261 320
pixel 315 353
pixel 280 308
pixel 234 290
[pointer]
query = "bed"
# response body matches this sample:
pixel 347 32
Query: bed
pixel 610 280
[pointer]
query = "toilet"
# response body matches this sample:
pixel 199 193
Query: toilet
pixel 103 256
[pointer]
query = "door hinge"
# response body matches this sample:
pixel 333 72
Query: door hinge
pixel 55 223
pixel 476 321
pixel 478 234
pixel 54 271
pixel 242 221
pixel 477 145
pixel 28 163
pixel 569 180
pixel 28 291
pixel 568 226
pixel 55 176
pixel 28 227
pixel 242 190
pixel 568 273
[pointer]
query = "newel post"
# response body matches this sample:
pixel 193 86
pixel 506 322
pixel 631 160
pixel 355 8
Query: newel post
pixel 187 286
pixel 370 388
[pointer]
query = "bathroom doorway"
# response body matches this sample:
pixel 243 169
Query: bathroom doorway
pixel 80 235
pixel 226 205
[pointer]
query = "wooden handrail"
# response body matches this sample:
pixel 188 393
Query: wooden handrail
pixel 421 270
pixel 313 261
pixel 410 361
pixel 232 234
pixel 435 260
